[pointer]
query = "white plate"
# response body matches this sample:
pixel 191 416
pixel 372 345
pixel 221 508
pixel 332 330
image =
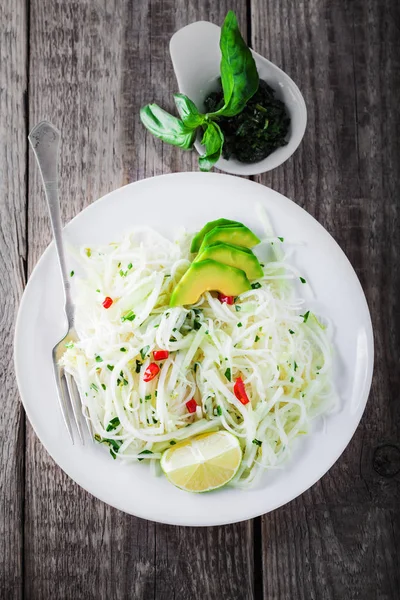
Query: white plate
pixel 166 203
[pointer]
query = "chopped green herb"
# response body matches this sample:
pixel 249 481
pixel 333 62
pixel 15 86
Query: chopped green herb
pixel 114 444
pixel 277 366
pixel 219 410
pixel 172 442
pixel 124 381
pixel 113 424
pixel 196 325
pixel 174 329
pixel 69 345
pixel 122 349
pixel 281 239
pixel 138 366
pixel 256 285
pixel 257 442
pixel 207 332
pixel 148 397
pixel 238 308
pixel 123 273
pixel 291 331
pixel 228 374
pixel 130 266
pixel 256 339
pixel 72 273
pixel 119 264
pixel 140 400
pixel 239 325
pixel 98 291
pixel 155 326
pixel 130 315
pixel 295 366
pixel 99 359
pixel 318 368
pixel 110 367
pixel 303 280
pixel 291 379
pixel 305 316
pixel 88 252
pixel 155 393
pixel 144 351
pixel 103 386
pixel 144 452
pixel 94 387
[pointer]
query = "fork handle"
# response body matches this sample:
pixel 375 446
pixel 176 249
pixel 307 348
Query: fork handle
pixel 45 141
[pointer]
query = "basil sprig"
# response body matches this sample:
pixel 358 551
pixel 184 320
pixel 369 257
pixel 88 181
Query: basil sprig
pixel 240 81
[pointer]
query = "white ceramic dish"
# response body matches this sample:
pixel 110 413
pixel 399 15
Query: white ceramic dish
pixel 165 203
pixel 196 57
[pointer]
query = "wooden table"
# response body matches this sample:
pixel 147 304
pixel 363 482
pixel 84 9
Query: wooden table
pixel 88 66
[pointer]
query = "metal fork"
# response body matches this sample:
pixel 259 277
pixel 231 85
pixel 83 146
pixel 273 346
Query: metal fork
pixel 45 142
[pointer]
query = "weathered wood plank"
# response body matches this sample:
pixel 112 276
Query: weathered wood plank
pixel 13 79
pixel 340 539
pixel 75 82
pixel 92 67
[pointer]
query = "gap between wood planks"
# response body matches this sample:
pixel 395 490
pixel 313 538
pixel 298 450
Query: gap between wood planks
pixel 258 567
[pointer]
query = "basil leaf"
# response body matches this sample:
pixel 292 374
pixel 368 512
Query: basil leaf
pixel 239 74
pixel 213 140
pixel 188 111
pixel 166 127
pixel 207 162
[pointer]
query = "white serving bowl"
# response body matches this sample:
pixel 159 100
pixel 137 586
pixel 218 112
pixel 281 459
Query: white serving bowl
pixel 196 56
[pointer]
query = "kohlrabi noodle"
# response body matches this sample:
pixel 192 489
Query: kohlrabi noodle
pixel 268 337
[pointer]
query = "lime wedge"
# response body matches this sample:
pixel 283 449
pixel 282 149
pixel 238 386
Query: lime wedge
pixel 203 463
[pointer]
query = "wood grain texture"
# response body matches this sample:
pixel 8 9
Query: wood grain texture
pixel 93 65
pixel 340 539
pixel 13 78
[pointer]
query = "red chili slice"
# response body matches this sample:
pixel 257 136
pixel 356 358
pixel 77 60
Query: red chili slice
pixel 107 302
pixel 160 354
pixel 151 371
pixel 240 391
pixel 191 405
pixel 226 299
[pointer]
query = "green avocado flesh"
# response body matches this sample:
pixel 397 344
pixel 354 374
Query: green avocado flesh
pixel 238 235
pixel 234 256
pixel 209 275
pixel 198 238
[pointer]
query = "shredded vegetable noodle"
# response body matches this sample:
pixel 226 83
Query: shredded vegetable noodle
pixel 268 338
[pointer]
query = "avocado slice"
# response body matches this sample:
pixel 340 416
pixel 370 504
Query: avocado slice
pixel 238 235
pixel 208 275
pixel 198 238
pixel 235 256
